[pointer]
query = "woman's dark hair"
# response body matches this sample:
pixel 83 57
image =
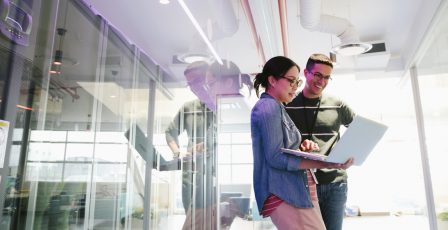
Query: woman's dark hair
pixel 230 70
pixel 276 67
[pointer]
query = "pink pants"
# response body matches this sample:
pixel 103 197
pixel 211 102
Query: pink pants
pixel 287 217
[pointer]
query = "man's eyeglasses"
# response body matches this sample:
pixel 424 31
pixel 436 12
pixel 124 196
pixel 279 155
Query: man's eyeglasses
pixel 293 82
pixel 211 83
pixel 195 81
pixel 319 76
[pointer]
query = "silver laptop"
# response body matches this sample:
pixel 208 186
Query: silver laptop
pixel 357 141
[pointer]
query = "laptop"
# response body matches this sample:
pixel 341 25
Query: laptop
pixel 144 148
pixel 357 141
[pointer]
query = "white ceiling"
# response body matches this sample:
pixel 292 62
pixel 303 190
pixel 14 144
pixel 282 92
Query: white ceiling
pixel 163 31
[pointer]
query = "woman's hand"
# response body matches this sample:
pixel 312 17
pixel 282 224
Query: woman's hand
pixel 345 165
pixel 307 164
pixel 308 146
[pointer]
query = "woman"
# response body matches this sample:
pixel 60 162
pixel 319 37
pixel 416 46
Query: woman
pixel 284 186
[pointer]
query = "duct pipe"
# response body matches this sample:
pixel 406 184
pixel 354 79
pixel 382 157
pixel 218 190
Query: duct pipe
pixel 312 19
pixel 250 18
pixel 226 23
pixel 284 26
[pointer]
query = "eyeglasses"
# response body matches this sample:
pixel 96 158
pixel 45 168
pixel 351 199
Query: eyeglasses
pixel 211 83
pixel 195 82
pixel 319 76
pixel 293 82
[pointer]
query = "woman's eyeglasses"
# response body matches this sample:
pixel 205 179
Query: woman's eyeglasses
pixel 293 82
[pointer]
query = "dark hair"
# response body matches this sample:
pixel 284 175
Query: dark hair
pixel 196 66
pixel 318 59
pixel 230 70
pixel 276 67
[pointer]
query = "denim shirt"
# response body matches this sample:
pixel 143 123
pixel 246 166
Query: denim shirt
pixel 276 172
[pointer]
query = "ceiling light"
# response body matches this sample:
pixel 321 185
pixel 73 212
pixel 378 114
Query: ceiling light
pixel 58 52
pixel 55 69
pixel 200 31
pixel 351 49
pixel 164 2
pixel 190 58
pixel 55 72
pixel 58 57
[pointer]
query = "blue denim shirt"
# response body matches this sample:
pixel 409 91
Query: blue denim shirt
pixel 276 172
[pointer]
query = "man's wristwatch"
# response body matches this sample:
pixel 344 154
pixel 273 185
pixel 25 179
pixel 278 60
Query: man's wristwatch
pixel 176 154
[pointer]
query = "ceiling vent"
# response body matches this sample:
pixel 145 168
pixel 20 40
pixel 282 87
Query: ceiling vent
pixel 312 19
pixel 376 47
pixel 376 58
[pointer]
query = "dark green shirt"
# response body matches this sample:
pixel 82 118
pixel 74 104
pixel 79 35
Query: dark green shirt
pixel 323 129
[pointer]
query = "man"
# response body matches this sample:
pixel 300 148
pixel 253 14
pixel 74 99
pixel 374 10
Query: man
pixel 319 117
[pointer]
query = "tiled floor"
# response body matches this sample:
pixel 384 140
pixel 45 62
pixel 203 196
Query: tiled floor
pixel 386 223
pixel 363 222
pixel 407 222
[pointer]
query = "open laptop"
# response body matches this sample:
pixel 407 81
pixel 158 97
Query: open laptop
pixel 357 141
pixel 144 148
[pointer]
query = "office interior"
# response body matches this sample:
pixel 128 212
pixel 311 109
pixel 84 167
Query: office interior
pixel 88 89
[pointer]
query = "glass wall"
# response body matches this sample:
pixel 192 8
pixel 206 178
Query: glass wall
pixel 432 76
pixel 78 105
pixel 26 91
pixel 98 136
pixel 385 190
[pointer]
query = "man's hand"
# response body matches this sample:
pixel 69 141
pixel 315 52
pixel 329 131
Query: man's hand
pixel 345 165
pixel 308 146
pixel 197 148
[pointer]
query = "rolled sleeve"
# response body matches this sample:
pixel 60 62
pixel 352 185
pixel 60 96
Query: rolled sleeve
pixel 294 163
pixel 173 130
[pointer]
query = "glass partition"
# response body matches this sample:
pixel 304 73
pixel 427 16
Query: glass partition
pixel 388 188
pixel 73 162
pixel 235 165
pixel 102 138
pixel 433 85
pixel 58 165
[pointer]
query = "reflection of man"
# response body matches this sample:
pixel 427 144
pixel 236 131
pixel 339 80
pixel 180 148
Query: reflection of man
pixel 319 117
pixel 198 120
pixel 190 118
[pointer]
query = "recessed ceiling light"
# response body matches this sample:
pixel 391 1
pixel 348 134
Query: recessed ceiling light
pixel 200 31
pixel 351 49
pixel 164 2
pixel 190 58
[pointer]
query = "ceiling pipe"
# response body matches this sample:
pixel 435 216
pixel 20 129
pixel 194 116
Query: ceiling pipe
pixel 250 19
pixel 225 23
pixel 284 26
pixel 312 19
